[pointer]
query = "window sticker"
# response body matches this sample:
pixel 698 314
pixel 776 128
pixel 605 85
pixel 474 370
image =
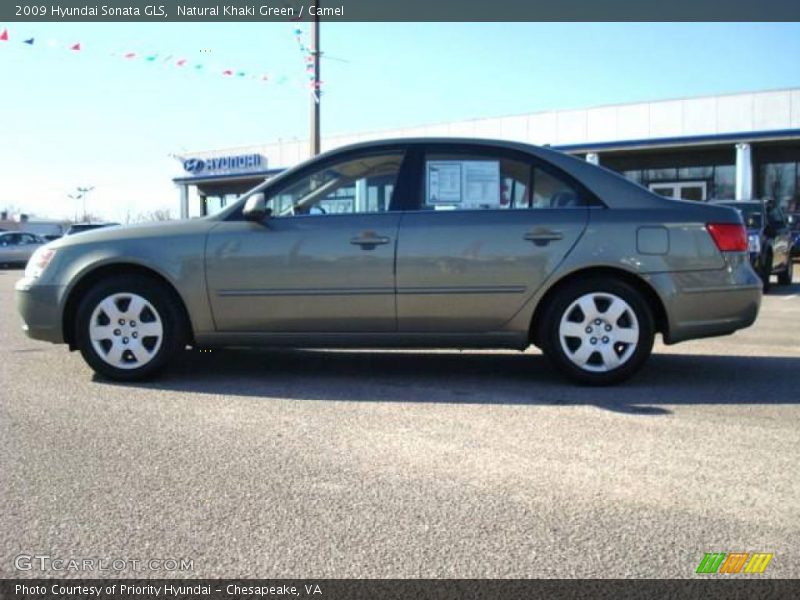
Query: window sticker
pixel 466 183
pixel 444 182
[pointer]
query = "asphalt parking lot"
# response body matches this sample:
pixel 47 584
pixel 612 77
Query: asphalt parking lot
pixel 406 464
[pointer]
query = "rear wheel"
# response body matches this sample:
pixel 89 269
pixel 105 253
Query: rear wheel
pixel 598 331
pixel 785 276
pixel 128 327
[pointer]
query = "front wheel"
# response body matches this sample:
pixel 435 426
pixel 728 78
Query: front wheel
pixel 128 327
pixel 598 331
pixel 765 272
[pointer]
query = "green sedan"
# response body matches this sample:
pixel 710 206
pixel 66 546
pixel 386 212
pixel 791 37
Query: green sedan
pixel 414 243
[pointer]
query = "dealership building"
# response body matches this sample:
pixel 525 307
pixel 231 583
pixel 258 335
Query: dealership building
pixel 732 146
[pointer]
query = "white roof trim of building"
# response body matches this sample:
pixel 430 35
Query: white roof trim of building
pixel 760 111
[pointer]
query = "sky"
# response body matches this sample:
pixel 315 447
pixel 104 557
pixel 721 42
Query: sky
pixel 92 118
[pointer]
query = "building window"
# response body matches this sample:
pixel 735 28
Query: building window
pixel 635 175
pixel 669 174
pixel 779 181
pixel 724 182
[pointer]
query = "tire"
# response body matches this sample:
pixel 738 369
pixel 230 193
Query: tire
pixel 579 332
pixel 765 272
pixel 128 327
pixel 785 276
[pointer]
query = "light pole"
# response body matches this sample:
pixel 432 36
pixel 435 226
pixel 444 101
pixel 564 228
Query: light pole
pixel 84 192
pixel 75 197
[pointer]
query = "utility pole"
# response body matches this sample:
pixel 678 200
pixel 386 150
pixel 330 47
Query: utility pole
pixel 315 93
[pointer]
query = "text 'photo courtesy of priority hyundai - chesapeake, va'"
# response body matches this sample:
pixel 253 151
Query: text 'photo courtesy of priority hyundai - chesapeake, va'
pixel 379 300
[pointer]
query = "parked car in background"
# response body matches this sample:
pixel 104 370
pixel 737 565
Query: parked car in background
pixel 794 227
pixel 769 239
pixel 81 227
pixel 426 243
pixel 16 247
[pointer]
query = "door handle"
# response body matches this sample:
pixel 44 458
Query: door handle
pixel 540 237
pixel 369 239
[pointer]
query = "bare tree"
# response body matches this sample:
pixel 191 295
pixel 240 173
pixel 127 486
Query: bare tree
pixel 89 218
pixel 161 214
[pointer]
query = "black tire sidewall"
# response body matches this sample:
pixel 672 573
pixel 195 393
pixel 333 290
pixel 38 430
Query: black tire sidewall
pixel 766 272
pixel 785 278
pixel 153 292
pixel 564 297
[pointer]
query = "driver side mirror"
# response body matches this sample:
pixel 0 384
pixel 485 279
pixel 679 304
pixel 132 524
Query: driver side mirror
pixel 255 208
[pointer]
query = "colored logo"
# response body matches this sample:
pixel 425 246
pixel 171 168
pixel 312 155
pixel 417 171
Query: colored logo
pixel 735 562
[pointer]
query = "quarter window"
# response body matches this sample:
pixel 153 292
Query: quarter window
pixel 359 185
pixel 551 192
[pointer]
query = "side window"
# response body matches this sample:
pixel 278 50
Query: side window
pixel 12 239
pixel 551 192
pixel 470 182
pixel 355 186
pixel 28 238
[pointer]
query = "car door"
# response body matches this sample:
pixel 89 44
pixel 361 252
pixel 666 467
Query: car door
pixel 323 261
pixel 10 247
pixel 488 228
pixel 781 244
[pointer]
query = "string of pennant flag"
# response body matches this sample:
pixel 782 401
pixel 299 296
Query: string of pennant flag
pixel 308 54
pixel 183 62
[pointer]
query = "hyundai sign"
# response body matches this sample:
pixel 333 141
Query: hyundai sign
pixel 224 164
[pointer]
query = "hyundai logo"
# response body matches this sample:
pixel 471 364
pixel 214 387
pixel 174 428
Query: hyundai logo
pixel 241 163
pixel 194 165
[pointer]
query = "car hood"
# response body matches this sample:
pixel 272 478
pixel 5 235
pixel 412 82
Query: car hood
pixel 154 230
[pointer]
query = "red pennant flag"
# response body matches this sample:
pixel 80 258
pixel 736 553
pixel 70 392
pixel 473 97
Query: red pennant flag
pixel 181 62
pixel 4 36
pixel 227 72
pixel 129 55
pixel 76 47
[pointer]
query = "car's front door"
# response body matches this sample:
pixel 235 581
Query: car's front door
pixel 10 247
pixel 489 228
pixel 778 228
pixel 323 261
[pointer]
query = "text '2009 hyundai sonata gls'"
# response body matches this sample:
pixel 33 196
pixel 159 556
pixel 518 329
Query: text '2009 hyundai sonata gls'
pixel 417 243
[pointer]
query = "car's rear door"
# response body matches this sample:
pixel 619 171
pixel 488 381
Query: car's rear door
pixel 323 261
pixel 488 227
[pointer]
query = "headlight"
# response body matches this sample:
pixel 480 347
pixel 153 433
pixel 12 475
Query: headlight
pixel 38 262
pixel 754 243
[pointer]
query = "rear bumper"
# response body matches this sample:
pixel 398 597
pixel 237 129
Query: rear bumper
pixel 703 304
pixel 40 309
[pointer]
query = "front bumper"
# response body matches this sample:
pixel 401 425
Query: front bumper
pixel 40 309
pixel 703 304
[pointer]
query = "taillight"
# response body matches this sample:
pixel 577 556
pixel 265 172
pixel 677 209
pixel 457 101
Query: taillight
pixel 729 237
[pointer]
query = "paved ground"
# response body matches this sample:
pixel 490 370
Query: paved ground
pixel 395 464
